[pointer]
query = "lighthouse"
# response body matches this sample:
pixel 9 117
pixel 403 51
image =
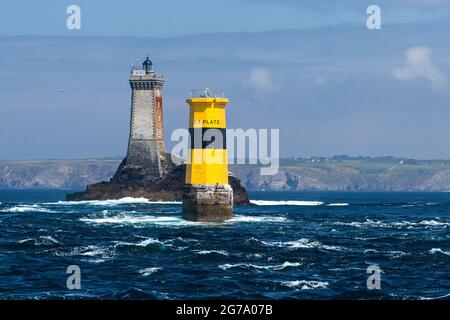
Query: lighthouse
pixel 146 140
pixel 207 196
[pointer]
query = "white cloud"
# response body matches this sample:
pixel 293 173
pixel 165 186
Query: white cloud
pixel 260 79
pixel 419 64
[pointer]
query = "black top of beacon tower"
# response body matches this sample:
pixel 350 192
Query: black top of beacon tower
pixel 147 65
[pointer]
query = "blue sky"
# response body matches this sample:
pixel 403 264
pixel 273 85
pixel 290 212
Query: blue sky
pixel 181 17
pixel 310 68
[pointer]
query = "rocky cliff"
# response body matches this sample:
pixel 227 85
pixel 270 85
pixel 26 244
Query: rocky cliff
pixel 321 174
pixel 352 174
pixel 65 174
pixel 131 181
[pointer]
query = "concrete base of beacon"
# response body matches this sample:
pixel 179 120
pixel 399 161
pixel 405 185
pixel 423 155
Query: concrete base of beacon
pixel 207 202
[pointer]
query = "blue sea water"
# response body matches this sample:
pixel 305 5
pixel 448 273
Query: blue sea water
pixel 314 245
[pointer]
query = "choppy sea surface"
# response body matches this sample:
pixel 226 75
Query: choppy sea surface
pixel 287 246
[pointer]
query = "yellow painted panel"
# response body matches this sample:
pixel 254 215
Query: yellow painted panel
pixel 207 166
pixel 212 118
pixel 207 117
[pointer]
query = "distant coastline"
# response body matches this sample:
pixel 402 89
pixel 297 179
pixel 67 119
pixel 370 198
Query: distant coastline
pixel 338 173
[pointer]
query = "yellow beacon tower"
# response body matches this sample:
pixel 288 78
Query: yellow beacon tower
pixel 207 196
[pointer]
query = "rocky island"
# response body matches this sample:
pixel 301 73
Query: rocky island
pixel 131 181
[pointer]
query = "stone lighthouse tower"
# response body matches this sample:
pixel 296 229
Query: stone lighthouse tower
pixel 146 141
pixel 207 195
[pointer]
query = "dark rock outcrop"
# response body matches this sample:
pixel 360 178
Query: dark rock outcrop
pixel 131 181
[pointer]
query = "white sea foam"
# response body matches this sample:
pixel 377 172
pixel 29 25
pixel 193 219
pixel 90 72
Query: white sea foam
pixel 27 240
pixel 397 254
pixel 239 218
pixel 126 200
pixel 426 223
pixel 439 250
pixel 286 203
pixel 397 224
pixel 286 264
pixel 391 254
pixel 337 205
pixel 254 255
pixel 358 224
pixel 130 219
pixel 435 298
pixel 42 240
pixel 87 251
pixel 152 241
pixel 93 251
pixel 171 220
pixel 148 241
pixel 148 271
pixel 50 238
pixel 96 260
pixel 304 284
pixel 433 223
pixel 28 208
pixel 301 243
pixel 143 243
pixel 306 243
pixel 204 252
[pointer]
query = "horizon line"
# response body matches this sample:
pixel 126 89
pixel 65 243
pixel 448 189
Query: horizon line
pixel 333 157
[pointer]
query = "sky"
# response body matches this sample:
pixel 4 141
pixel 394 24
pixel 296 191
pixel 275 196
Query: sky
pixel 309 68
pixel 153 18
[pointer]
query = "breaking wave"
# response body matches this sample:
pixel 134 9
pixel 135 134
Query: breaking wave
pixel 86 251
pixel 302 243
pixel 120 247
pixel 129 219
pixel 439 250
pixel 286 264
pixel 205 252
pixel 304 284
pixel 239 218
pixel 397 224
pixel 337 204
pixel 395 254
pixel 148 271
pixel 144 243
pixel 93 251
pixel 28 208
pixel 296 203
pixel 286 203
pixel 123 218
pixel 41 241
pixel 126 200
pixel 435 298
pixel 151 244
